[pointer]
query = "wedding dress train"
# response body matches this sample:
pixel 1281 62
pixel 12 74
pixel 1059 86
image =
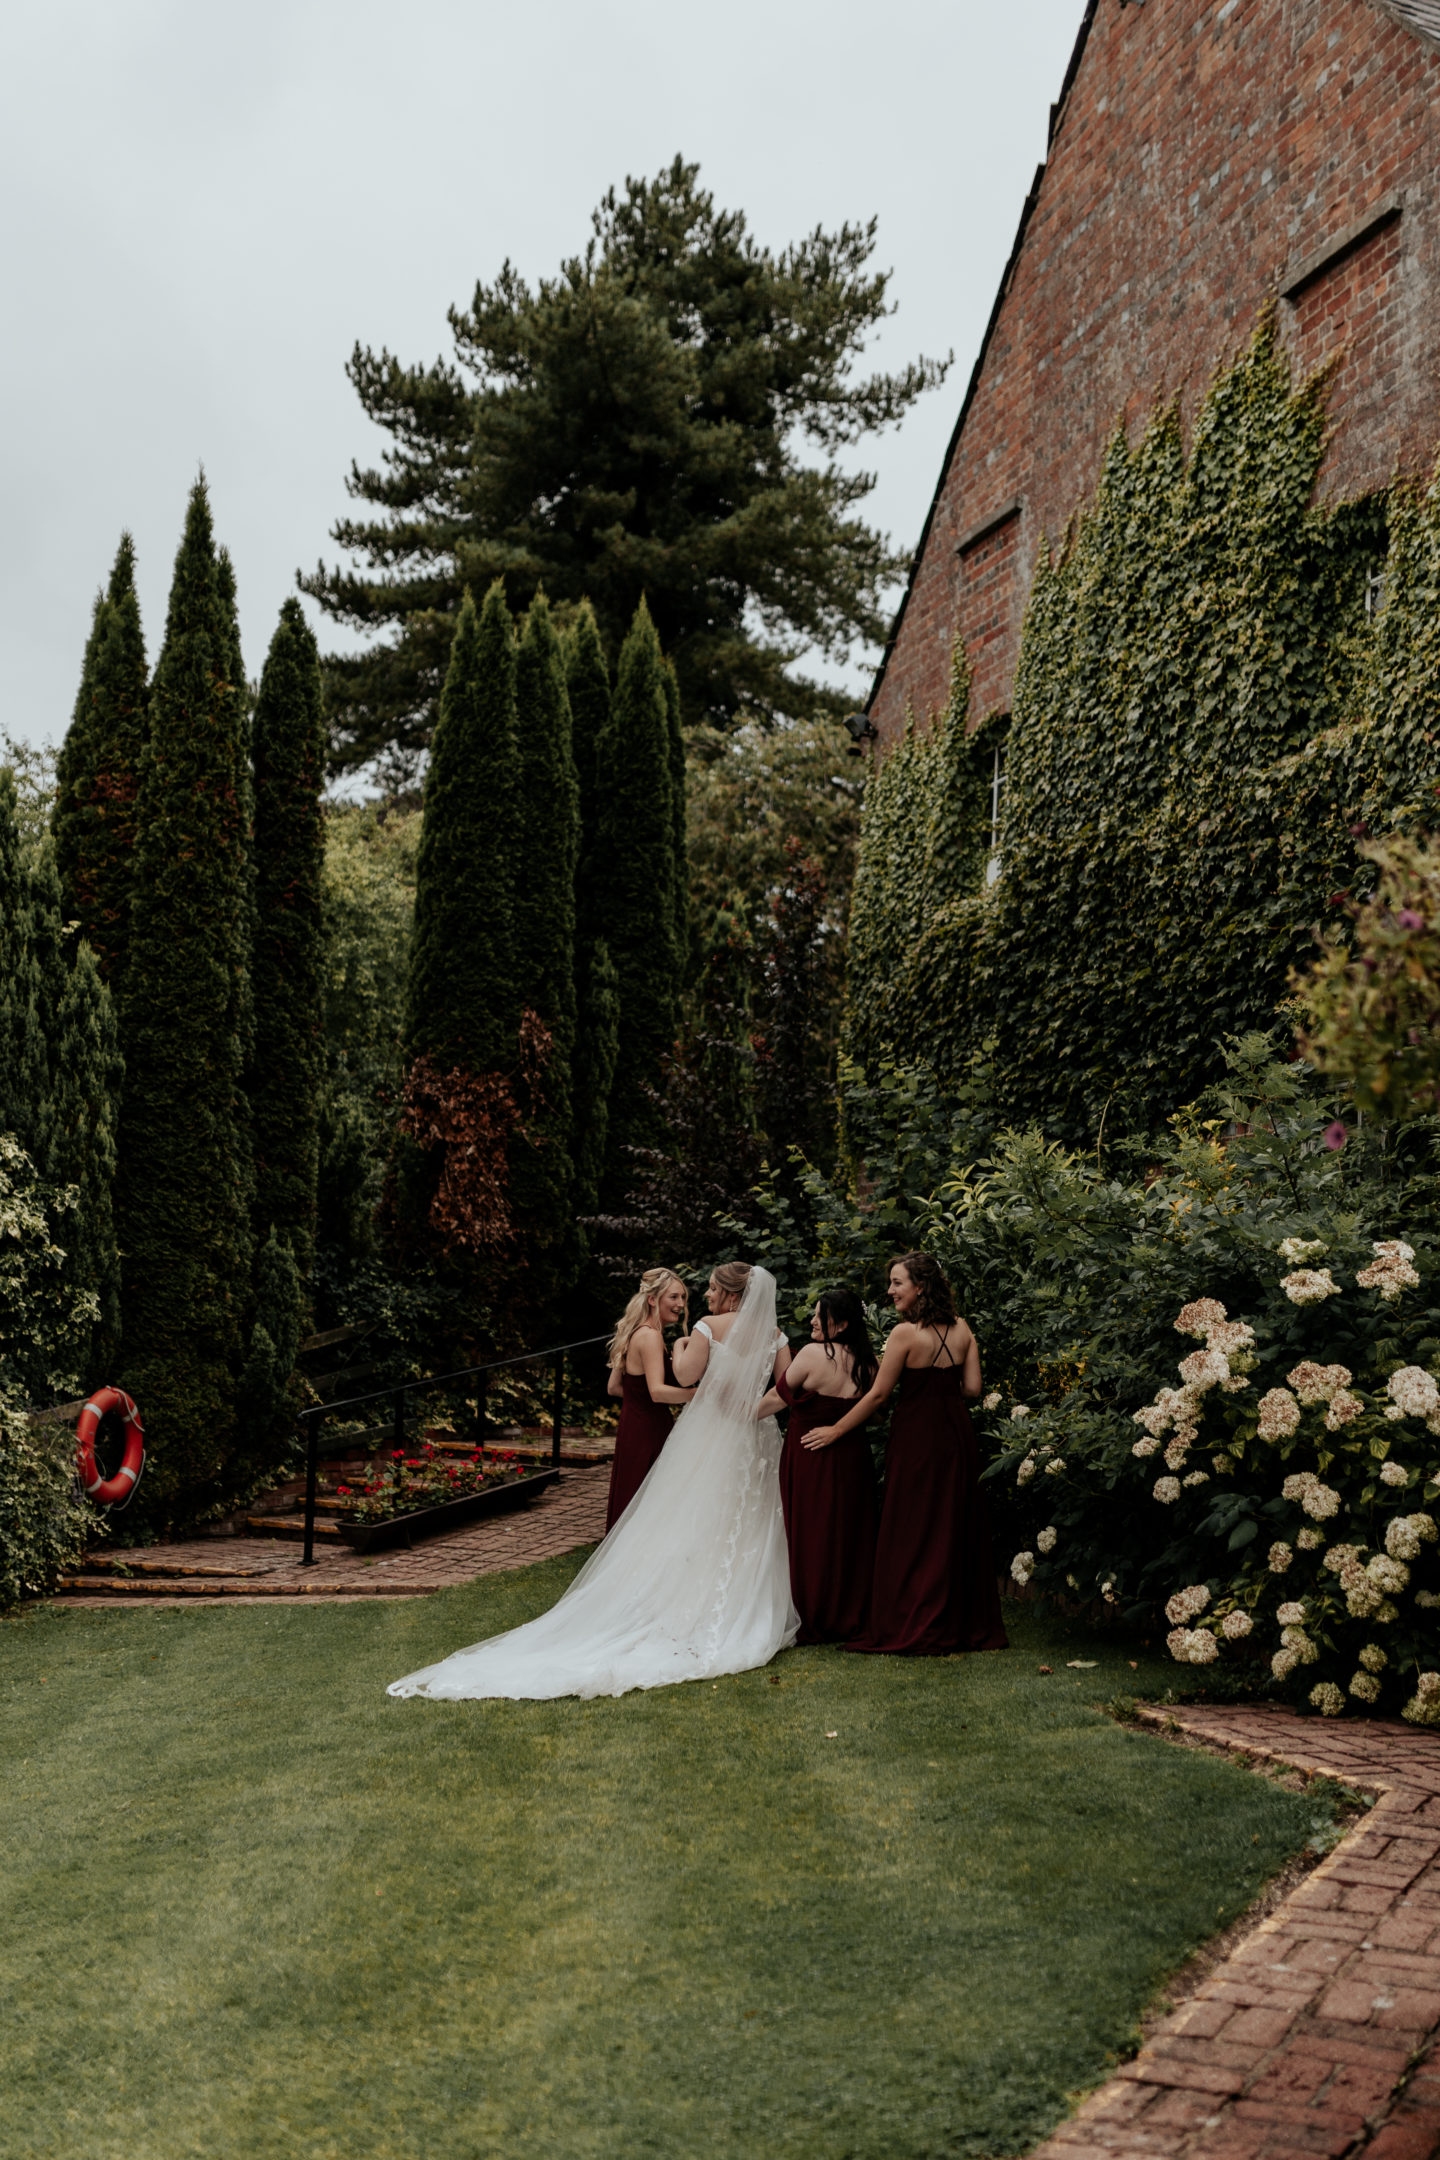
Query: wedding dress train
pixel 694 1579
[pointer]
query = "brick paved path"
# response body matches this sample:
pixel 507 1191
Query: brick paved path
pixel 565 1515
pixel 1301 2041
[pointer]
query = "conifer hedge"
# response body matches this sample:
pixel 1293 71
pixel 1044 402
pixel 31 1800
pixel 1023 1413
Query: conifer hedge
pixel 289 768
pixel 1202 714
pixel 187 1175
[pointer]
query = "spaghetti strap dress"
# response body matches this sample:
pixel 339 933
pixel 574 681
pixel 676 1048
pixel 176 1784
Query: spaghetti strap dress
pixel 643 1429
pixel 934 1589
pixel 832 1513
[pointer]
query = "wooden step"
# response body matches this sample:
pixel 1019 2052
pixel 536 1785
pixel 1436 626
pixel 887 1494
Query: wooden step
pixel 109 1586
pixel 148 1570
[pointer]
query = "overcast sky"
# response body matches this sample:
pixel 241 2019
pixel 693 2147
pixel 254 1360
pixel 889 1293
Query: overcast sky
pixel 206 208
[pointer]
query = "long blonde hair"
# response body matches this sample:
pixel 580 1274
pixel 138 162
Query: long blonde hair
pixel 640 1309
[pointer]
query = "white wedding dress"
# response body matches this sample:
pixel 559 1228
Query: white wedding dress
pixel 694 1579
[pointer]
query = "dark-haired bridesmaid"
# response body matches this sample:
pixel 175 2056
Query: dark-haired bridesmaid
pixel 828 1492
pixel 934 1589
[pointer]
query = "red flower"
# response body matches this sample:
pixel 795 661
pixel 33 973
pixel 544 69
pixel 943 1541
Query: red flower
pixel 1336 1135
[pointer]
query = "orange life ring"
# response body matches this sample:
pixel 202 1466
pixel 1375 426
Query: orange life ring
pixel 118 1490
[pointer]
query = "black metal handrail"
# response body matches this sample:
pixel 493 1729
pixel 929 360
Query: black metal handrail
pixel 312 1417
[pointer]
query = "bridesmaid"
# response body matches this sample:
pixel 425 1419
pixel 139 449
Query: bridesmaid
pixel 828 1489
pixel 641 1375
pixel 934 1589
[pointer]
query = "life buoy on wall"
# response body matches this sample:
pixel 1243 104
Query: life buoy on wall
pixel 115 1492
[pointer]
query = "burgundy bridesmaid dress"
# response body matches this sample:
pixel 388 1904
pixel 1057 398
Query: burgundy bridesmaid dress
pixel 832 1513
pixel 934 1588
pixel 643 1429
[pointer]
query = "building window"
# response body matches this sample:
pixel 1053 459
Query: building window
pixel 997 805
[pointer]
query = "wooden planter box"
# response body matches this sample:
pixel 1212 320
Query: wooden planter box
pixel 448 1515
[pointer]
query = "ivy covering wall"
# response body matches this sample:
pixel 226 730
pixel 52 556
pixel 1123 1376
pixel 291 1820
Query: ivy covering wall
pixel 1204 709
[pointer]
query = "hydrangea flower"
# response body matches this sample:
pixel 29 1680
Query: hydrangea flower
pixel 1283 1664
pixel 1279 1414
pixel 1022 1567
pixel 1365 1687
pixel 1147 1446
pixel 1236 1625
pixel 1317 1383
pixel 1186 1604
pixel 1167 1490
pixel 1296 1639
pixel 1290 1615
pixel 1020 1410
pixel 1394 1473
pixel 1297 1250
pixel 1414 1392
pixel 1405 1536
pixel 993 1400
pixel 1055 1467
pixel 1387 1573
pixel 1340 1557
pixel 1197 1477
pixel 1204 1369
pixel 1423 1707
pixel 1373 1658
pixel 1309 1540
pixel 1344 1409
pixel 1045 1542
pixel 1199 1317
pixel 1279 1557
pixel 1192 1646
pixel 1327 1699
pixel 1390 1271
pixel 1176 1453
pixel 1310 1286
pixel 1026 1471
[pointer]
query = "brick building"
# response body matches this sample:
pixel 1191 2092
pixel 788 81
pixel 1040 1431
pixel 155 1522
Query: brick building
pixel 1204 154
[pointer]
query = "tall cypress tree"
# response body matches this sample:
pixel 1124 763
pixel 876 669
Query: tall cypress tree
pixel 597 1004
pixel 548 846
pixel 463 1014
pixel 186 1172
pixel 588 682
pixel 289 762
pixel 463 1007
pixel 597 1051
pixel 98 774
pixel 632 904
pixel 675 736
pixel 24 1062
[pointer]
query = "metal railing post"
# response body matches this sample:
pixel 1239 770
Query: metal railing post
pixel 312 1467
pixel 559 1407
pixel 397 1429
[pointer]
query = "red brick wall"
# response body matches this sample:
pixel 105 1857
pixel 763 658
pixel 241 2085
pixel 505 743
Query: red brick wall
pixel 1207 155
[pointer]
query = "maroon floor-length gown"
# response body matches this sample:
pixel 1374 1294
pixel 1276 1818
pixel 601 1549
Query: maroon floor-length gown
pixel 832 1513
pixel 934 1589
pixel 643 1429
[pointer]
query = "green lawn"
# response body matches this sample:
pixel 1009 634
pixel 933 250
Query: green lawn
pixel 251 1906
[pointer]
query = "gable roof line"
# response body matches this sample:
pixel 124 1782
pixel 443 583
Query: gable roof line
pixel 1420 16
pixel 1057 114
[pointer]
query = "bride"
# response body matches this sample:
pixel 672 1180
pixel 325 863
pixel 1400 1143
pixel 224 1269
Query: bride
pixel 694 1579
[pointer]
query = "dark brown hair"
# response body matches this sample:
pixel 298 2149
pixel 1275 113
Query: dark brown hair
pixel 937 1299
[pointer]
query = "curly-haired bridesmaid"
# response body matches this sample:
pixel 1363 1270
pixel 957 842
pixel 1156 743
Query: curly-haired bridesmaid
pixel 642 1376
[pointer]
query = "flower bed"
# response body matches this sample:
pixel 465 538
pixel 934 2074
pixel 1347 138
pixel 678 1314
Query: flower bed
pixel 417 1493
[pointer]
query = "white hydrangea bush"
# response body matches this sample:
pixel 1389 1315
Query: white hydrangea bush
pixel 1305 1552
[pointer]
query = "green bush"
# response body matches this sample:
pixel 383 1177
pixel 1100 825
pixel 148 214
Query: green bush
pixel 45 1522
pixel 1281 1450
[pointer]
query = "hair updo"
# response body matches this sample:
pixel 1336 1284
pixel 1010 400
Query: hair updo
pixel 937 1300
pixel 653 1284
pixel 732 1277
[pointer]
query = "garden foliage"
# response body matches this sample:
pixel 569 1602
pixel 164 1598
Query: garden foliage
pixel 1202 714
pixel 45 1522
pixel 1268 1470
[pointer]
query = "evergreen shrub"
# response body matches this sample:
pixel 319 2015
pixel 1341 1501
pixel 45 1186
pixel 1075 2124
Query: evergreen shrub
pixel 45 1521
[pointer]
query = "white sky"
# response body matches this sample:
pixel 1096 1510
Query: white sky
pixel 206 208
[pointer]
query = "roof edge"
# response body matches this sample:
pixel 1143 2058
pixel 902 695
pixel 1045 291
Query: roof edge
pixel 1057 115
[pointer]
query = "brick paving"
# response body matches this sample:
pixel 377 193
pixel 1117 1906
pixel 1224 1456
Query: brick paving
pixel 1318 2035
pixel 566 1514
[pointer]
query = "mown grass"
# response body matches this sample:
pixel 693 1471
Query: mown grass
pixel 253 1907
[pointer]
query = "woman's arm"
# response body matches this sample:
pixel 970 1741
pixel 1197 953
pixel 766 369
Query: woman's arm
pixel 798 1371
pixel 690 1356
pixel 783 1355
pixel 652 1364
pixel 972 1383
pixel 892 1364
pixel 614 1386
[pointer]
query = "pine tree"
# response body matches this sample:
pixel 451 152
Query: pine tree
pixel 632 904
pixel 186 1172
pixel 289 852
pixel 547 850
pixel 463 1018
pixel 98 774
pixel 675 733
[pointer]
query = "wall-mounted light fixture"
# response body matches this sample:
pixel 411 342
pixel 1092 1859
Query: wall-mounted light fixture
pixel 861 731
